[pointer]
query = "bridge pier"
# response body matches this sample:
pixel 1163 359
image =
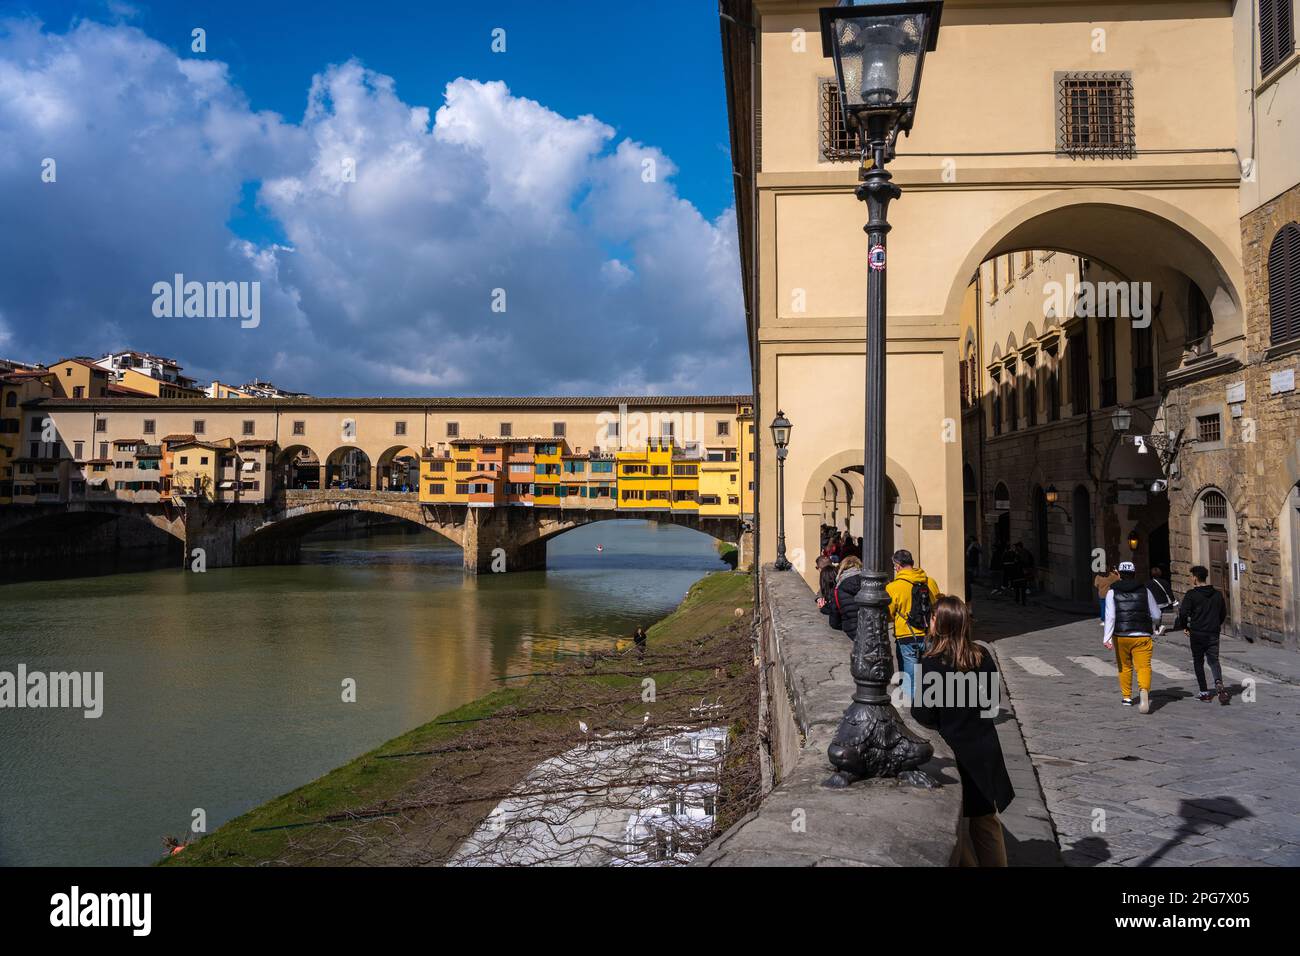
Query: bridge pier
pixel 223 532
pixel 492 539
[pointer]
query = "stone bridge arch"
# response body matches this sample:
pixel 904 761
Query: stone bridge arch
pixel 66 534
pixel 448 522
pixel 548 527
pixel 272 533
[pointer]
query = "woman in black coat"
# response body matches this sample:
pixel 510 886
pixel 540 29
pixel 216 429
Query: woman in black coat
pixel 957 695
pixel 847 583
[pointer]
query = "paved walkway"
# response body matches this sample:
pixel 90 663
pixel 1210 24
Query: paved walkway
pixel 1190 783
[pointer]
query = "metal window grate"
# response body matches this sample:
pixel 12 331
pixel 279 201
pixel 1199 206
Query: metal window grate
pixel 1095 115
pixel 838 142
pixel 1208 428
pixel 1214 505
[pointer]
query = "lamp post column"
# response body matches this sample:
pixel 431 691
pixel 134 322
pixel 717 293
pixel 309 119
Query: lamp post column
pixel 781 439
pixel 782 562
pixel 872 740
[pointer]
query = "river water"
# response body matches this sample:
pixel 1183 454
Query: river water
pixel 224 689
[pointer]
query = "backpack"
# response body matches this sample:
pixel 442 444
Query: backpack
pixel 918 616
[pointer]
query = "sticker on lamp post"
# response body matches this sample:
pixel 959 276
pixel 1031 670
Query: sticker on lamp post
pixel 876 258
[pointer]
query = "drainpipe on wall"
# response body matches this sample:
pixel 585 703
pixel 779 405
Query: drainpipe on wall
pixel 979 390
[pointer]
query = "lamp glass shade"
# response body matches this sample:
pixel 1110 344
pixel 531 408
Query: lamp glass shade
pixel 1121 419
pixel 781 430
pixel 879 50
pixel 1052 495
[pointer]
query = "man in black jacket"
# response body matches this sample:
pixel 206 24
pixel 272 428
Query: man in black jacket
pixel 1201 615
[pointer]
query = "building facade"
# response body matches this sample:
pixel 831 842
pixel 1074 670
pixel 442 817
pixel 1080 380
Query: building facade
pixel 543 452
pixel 1049 137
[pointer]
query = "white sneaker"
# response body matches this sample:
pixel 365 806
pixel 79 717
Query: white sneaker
pixel 1145 706
pixel 1128 701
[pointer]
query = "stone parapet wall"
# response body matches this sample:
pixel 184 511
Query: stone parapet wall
pixel 800 822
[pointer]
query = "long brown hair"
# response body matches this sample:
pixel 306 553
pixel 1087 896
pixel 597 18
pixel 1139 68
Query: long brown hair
pixel 950 637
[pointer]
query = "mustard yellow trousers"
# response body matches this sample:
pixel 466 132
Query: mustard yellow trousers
pixel 1133 653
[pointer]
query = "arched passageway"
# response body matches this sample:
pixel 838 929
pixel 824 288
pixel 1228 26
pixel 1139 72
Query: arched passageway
pixel 347 468
pixel 398 469
pixel 902 509
pixel 1088 310
pixel 298 467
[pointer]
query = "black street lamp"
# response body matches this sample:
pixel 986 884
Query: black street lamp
pixel 781 438
pixel 879 49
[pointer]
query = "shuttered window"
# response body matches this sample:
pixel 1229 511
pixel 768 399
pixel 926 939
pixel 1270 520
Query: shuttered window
pixel 1276 34
pixel 1284 285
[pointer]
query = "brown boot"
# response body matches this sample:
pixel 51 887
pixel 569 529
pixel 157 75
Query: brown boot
pixel 1223 692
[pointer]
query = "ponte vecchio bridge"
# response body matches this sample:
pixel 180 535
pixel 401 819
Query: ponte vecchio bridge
pixel 240 481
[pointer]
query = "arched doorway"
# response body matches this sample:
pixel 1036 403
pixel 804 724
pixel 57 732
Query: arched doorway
pixel 902 504
pixel 970 504
pixel 1041 547
pixel 1081 521
pixel 1214 546
pixel 1289 534
pixel 1002 526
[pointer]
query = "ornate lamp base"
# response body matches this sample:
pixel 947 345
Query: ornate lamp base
pixel 873 741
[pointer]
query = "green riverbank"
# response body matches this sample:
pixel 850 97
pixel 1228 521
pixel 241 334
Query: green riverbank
pixel 416 797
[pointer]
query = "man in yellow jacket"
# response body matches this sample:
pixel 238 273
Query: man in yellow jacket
pixel 911 623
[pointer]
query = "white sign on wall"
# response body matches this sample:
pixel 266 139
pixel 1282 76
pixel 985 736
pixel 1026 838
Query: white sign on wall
pixel 1283 381
pixel 1236 393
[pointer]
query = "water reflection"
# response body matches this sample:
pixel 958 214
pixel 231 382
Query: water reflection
pixel 224 689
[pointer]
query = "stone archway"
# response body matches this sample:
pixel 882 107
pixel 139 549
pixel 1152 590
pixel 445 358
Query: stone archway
pixel 907 510
pixel 1289 538
pixel 298 467
pixel 398 467
pixel 1213 535
pixel 1116 226
pixel 347 467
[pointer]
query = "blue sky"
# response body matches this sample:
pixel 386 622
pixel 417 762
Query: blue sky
pixel 250 125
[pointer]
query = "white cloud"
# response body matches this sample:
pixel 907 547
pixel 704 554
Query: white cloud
pixel 401 220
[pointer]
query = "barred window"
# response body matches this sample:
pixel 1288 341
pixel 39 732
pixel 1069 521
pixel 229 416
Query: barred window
pixel 1214 505
pixel 1095 114
pixel 1284 285
pixel 1208 428
pixel 838 142
pixel 1276 34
